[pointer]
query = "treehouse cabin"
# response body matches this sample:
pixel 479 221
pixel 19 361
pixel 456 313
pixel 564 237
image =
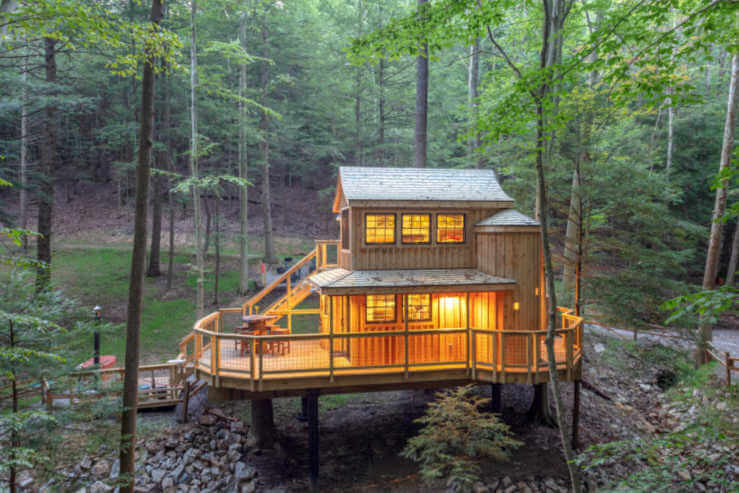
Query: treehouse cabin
pixel 435 280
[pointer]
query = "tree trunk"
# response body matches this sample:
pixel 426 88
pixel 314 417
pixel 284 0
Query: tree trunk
pixel 170 254
pixel 208 222
pixel 381 110
pixel 554 17
pixel 714 240
pixel 243 172
pixel 14 441
pixel 473 82
pixel 422 94
pixel 731 271
pixel 670 133
pixel 135 291
pixel 217 245
pixel 24 154
pixel 358 97
pixel 156 229
pixel 269 250
pixel 199 261
pixel 48 168
pixel 262 422
pixel 573 218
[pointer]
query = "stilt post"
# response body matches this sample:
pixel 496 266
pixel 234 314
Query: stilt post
pixel 575 414
pixel 313 449
pixel 496 401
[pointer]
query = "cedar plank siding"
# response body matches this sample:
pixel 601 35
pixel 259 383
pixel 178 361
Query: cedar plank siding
pixel 399 256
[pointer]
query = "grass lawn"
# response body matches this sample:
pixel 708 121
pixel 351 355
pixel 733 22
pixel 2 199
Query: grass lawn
pixel 98 275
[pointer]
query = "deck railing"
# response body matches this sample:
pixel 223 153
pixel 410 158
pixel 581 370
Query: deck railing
pixel 327 355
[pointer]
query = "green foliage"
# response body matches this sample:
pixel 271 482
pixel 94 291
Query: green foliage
pixel 709 304
pixel 456 436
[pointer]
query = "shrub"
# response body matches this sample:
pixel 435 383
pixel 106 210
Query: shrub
pixel 457 435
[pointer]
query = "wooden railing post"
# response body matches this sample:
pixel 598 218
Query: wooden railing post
pixel 468 334
pixel 252 350
pixel 494 353
pixel 214 354
pixel 405 336
pixel 331 338
pixel 502 353
pixel 529 357
pixel 473 348
pixel 261 362
pixel 568 353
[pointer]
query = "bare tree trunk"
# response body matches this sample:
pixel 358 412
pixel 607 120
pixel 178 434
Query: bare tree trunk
pixel 170 255
pixel 199 261
pixel 208 222
pixel 422 95
pixel 381 110
pixel 48 165
pixel 731 271
pixel 705 334
pixel 358 97
pixel 269 249
pixel 14 441
pixel 554 18
pixel 24 153
pixel 473 82
pixel 156 229
pixel 573 218
pixel 217 245
pixel 670 133
pixel 135 290
pixel 243 172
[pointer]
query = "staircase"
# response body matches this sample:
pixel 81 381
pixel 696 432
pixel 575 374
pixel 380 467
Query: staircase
pixel 296 293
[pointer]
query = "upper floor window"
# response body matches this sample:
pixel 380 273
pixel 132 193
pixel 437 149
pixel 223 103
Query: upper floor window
pixel 379 228
pixel 450 228
pixel 419 307
pixel 345 229
pixel 380 308
pixel 415 228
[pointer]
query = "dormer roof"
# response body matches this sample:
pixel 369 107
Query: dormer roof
pixel 364 185
pixel 507 219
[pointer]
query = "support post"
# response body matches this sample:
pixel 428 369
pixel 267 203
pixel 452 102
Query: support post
pixel 467 326
pixel 575 414
pixel 496 401
pixel 186 401
pixel 331 338
pixel 262 422
pixel 313 448
pixel 405 321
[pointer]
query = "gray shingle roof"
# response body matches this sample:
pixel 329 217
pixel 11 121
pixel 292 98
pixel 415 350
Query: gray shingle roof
pixel 508 217
pixel 342 278
pixel 434 184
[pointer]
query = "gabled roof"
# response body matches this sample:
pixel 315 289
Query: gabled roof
pixel 342 281
pixel 508 217
pixel 363 183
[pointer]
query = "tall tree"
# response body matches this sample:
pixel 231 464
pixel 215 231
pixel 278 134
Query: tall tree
pixel 48 169
pixel 243 166
pixel 269 249
pixel 705 333
pixel 138 260
pixel 24 152
pixel 199 247
pixel 422 97
pixel 473 81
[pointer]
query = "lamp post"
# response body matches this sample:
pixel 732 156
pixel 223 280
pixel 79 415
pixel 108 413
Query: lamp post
pixel 96 340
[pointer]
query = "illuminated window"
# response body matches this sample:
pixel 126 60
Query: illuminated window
pixel 379 228
pixel 450 228
pixel 415 228
pixel 345 229
pixel 419 307
pixel 381 308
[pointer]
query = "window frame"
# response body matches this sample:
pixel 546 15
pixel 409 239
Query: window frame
pixel 394 229
pixel 407 299
pixel 430 228
pixel 367 307
pixel 464 228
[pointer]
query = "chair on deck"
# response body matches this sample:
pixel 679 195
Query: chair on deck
pixel 279 347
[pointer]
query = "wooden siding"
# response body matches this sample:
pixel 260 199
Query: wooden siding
pixel 449 311
pixel 515 255
pixel 422 256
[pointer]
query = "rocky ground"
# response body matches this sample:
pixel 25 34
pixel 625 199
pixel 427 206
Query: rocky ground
pixel 626 396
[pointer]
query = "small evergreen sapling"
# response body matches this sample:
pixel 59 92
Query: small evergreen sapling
pixel 456 436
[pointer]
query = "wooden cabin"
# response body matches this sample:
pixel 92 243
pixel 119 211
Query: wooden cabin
pixel 435 279
pixel 429 249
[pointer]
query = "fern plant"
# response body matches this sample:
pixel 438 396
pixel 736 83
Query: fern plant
pixel 456 436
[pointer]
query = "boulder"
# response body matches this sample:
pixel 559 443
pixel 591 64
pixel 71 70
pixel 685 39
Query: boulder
pixel 100 487
pixel 101 469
